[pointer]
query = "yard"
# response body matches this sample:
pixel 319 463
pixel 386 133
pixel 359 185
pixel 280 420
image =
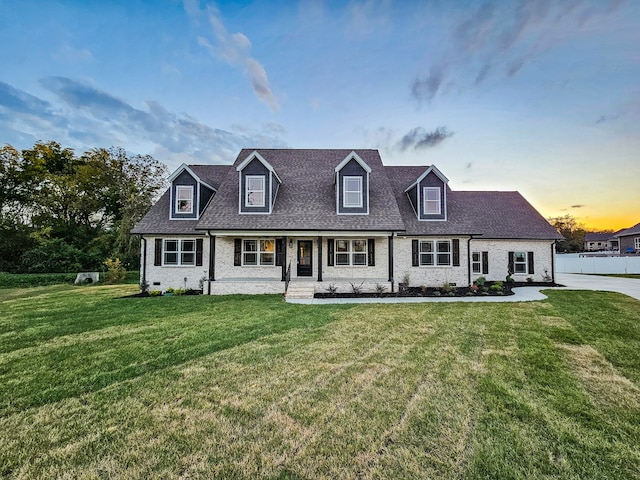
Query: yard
pixel 93 385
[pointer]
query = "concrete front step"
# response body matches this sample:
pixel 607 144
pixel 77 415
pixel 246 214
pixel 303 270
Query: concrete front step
pixel 300 290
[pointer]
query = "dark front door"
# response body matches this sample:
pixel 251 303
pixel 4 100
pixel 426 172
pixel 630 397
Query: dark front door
pixel 305 258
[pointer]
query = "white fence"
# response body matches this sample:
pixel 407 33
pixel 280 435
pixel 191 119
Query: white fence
pixel 578 263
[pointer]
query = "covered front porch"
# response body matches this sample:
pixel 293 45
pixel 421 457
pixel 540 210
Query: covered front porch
pixel 265 262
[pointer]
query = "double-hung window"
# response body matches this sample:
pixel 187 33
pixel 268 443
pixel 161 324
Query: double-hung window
pixel 520 262
pixel 637 243
pixel 254 191
pixel 431 200
pixel 258 252
pixel 435 253
pixel 179 252
pixel 352 192
pixel 476 262
pixel 351 252
pixel 184 199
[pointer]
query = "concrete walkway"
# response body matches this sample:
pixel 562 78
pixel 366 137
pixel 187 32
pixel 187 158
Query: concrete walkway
pixel 576 281
pixel 627 286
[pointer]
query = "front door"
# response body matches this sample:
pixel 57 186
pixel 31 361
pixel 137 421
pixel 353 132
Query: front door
pixel 305 258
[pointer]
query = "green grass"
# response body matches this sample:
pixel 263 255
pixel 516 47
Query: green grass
pixel 93 385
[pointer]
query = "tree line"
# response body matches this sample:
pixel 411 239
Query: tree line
pixel 62 212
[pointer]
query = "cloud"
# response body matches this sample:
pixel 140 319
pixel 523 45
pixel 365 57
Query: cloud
pixel 578 206
pixel 419 138
pixel 497 40
pixel 235 50
pixel 83 116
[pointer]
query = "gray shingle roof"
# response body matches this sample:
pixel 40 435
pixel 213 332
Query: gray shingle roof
pixel 635 230
pixel 499 215
pixel 156 221
pixel 306 199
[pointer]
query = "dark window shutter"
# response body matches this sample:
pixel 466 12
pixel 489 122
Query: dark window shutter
pixel 157 254
pixel 455 246
pixel 330 251
pixel 511 267
pixel 198 252
pixel 237 252
pixel 415 258
pixel 279 251
pixel 371 247
pixel 530 262
pixel 485 263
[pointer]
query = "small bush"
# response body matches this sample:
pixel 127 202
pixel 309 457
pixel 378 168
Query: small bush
pixel 332 289
pixel 480 281
pixel 380 289
pixel 179 291
pixel 116 272
pixel 529 279
pixel 497 287
pixel 357 289
pixel 169 290
pixel 155 293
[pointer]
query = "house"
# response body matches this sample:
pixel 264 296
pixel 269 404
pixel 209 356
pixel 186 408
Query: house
pixel 334 217
pixel 600 241
pixel 629 239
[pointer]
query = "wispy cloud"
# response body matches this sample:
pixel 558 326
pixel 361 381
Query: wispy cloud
pixel 499 39
pixel 235 50
pixel 578 206
pixel 85 116
pixel 419 138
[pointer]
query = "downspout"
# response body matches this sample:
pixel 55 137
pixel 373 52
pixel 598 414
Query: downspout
pixel 144 260
pixel 553 261
pixel 469 259
pixel 212 261
pixel 390 248
pixel 284 258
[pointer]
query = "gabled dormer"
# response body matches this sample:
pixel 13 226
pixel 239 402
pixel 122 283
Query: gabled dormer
pixel 428 195
pixel 352 186
pixel 258 185
pixel 189 194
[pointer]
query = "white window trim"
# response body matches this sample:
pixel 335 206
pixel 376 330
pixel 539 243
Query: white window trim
pixel 351 252
pixel 476 263
pixel 246 191
pixel 425 200
pixel 179 253
pixel 435 253
pixel 359 191
pixel 636 243
pixel 258 252
pixel 525 263
pixel 188 188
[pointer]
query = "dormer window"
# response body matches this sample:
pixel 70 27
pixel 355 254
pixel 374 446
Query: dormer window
pixel 352 197
pixel 431 198
pixel 184 199
pixel 255 189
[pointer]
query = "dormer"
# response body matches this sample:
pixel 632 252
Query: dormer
pixel 189 194
pixel 352 186
pixel 258 185
pixel 428 195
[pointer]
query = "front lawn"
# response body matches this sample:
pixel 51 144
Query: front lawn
pixel 93 385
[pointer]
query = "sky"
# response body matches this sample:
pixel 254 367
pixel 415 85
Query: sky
pixel 542 97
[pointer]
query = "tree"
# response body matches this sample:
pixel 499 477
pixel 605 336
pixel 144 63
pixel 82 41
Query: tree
pixel 88 203
pixel 572 231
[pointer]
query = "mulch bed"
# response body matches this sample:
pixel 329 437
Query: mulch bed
pixel 438 292
pixel 146 294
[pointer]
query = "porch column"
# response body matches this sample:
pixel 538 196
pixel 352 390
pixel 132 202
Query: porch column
pixel 319 259
pixel 391 261
pixel 284 258
pixel 212 258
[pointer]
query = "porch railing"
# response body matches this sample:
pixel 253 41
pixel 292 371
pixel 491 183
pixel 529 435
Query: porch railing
pixel 287 278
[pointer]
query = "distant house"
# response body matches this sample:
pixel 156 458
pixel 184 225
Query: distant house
pixel 600 242
pixel 629 239
pixel 334 217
